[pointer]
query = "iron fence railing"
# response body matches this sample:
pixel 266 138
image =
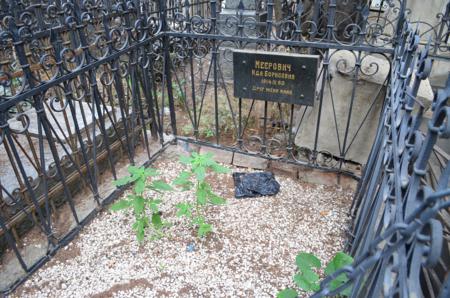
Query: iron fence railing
pixel 400 234
pixel 88 86
pixel 78 97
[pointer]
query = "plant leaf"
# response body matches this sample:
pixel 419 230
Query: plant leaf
pixel 217 200
pixel 184 209
pixel 185 159
pixel 160 185
pixel 123 181
pixel 198 220
pixel 207 158
pixel 139 186
pixel 310 275
pixel 202 195
pixel 138 204
pixel 140 234
pixel 133 170
pixel 200 173
pixel 287 293
pixel 219 168
pixel 339 281
pixel 150 172
pixel 156 220
pixel 183 178
pixel 153 205
pixel 303 283
pixel 306 260
pixel 307 279
pixel 120 205
pixel 204 229
pixel 340 260
pixel 139 227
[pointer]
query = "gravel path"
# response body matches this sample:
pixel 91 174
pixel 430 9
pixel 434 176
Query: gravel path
pixel 250 254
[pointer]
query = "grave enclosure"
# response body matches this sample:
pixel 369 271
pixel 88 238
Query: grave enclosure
pixel 327 93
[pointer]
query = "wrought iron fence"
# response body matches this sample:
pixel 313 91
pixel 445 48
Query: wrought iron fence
pixel 349 52
pixel 78 99
pixel 88 86
pixel 400 233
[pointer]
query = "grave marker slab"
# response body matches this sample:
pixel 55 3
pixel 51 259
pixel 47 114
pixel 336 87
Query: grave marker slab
pixel 288 78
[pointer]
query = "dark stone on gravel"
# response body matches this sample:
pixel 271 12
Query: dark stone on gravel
pixel 248 185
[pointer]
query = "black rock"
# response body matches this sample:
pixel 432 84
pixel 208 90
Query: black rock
pixel 247 185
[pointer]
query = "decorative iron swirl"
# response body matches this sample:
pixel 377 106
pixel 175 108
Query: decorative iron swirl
pixel 24 121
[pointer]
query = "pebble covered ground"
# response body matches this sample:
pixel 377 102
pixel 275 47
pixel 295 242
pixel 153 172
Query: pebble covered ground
pixel 250 254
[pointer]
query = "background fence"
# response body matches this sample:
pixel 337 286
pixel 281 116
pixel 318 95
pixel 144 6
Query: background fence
pixel 87 87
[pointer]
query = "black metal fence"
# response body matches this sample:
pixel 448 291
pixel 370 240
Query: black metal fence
pixel 400 233
pixel 78 95
pixel 89 86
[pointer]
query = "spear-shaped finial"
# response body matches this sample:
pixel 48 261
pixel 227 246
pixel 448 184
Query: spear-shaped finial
pixel 241 6
pixel 300 8
pixel 187 5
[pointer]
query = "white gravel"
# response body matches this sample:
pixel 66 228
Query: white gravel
pixel 251 253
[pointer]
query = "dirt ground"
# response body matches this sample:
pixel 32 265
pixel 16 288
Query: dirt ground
pixel 251 252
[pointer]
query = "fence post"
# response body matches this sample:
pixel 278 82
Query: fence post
pixel 400 23
pixel 167 74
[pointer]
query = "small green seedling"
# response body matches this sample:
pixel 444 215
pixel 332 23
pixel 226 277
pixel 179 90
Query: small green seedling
pixel 145 210
pixel 339 261
pixel 308 280
pixel 200 165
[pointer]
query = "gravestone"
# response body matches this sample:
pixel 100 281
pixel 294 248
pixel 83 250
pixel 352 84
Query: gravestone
pixel 253 18
pixel 57 120
pixel 229 17
pixel 228 24
pixel 336 101
pixel 233 4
